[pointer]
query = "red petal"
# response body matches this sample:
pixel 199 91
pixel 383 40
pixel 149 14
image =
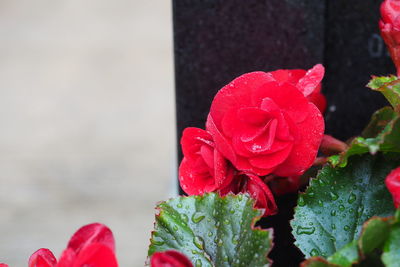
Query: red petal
pixel 169 258
pixel 393 184
pixel 236 94
pixel 221 143
pixel 192 139
pixel 265 199
pixel 289 76
pixel 244 165
pixel 311 80
pixel 286 96
pixel 89 234
pixel 42 258
pixel 67 258
pixel 270 161
pixel 3 265
pixel 304 152
pixel 193 182
pixel 319 100
pixel 96 255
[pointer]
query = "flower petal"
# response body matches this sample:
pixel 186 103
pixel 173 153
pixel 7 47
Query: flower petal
pixel 302 156
pixel 96 255
pixel 42 258
pixel 91 233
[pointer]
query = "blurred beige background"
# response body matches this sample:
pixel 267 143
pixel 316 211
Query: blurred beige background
pixel 87 122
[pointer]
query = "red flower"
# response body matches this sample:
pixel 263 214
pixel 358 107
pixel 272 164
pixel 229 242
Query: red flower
pixel 3 265
pixel 393 184
pixel 203 169
pixel 170 258
pixel 264 124
pixel 390 29
pixel 256 188
pixel 92 245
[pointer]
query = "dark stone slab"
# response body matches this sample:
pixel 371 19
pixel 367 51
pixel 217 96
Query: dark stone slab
pixel 354 50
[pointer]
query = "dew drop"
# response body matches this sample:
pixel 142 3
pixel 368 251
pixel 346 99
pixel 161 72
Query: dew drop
pixel 240 197
pixel 333 212
pixel 352 198
pixel 235 240
pixel 225 258
pixel 210 234
pixel 185 218
pixel 232 211
pixel 320 203
pixel 226 222
pixel 194 252
pixel 179 205
pixel 198 242
pixel 305 230
pixel 314 252
pixel 175 228
pixel 333 226
pixel 198 263
pixel 333 195
pixel 346 228
pixel 341 208
pixel 220 242
pixel 311 194
pixel 197 217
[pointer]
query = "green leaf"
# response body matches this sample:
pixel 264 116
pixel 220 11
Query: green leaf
pixel 212 230
pixel 391 249
pixel 375 232
pixel 389 87
pixel 346 256
pixel 331 212
pixel 381 134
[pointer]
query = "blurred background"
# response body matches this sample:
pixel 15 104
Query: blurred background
pixel 87 122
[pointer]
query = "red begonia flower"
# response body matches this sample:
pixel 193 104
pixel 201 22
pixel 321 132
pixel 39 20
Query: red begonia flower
pixel 3 265
pixel 203 168
pixel 264 124
pixel 92 245
pixel 256 188
pixel 393 184
pixel 390 29
pixel 169 258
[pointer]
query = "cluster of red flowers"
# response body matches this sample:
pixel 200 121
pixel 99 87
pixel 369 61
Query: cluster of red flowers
pixel 261 127
pixel 92 245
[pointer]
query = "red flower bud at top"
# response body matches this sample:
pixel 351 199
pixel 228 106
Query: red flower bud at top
pixel 169 258
pixel 203 168
pixel 390 29
pixel 393 184
pixel 264 124
pixel 256 188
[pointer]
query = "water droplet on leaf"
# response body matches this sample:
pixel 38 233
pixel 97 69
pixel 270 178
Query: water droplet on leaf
pixel 305 230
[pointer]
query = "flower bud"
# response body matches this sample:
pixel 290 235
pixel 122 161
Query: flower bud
pixel 390 29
